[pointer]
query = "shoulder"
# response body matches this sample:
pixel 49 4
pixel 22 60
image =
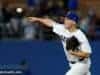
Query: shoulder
pixel 57 25
pixel 81 36
pixel 58 28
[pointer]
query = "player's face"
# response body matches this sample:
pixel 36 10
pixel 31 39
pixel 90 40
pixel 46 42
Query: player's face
pixel 68 23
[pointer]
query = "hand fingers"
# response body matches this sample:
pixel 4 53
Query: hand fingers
pixel 30 18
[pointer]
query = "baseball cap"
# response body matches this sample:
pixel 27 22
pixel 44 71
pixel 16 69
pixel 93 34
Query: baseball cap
pixel 72 16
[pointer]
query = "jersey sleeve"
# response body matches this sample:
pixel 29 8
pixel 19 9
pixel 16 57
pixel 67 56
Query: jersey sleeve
pixel 86 47
pixel 58 28
pixel 84 43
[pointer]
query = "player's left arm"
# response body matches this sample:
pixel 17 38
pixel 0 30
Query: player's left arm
pixel 84 52
pixel 85 48
pixel 80 54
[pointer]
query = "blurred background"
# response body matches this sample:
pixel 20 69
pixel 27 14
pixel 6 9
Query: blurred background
pixel 43 58
pixel 14 25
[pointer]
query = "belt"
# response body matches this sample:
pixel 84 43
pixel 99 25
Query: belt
pixel 73 62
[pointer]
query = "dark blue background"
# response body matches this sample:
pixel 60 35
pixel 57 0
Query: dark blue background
pixel 44 58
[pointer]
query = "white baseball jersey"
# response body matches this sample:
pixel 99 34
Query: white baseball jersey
pixel 64 34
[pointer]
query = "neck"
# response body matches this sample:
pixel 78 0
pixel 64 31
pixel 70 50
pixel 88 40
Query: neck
pixel 72 29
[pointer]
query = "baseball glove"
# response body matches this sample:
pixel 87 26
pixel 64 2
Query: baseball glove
pixel 72 43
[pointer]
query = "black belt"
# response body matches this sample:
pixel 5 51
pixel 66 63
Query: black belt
pixel 73 62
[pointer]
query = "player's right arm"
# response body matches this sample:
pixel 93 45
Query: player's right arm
pixel 56 27
pixel 45 21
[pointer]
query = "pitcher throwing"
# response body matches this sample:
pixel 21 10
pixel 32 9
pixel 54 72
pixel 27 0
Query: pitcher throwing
pixel 76 46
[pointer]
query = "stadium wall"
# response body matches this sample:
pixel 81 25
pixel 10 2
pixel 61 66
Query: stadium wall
pixel 43 58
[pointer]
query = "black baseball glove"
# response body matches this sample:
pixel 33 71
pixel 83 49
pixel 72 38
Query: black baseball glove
pixel 72 43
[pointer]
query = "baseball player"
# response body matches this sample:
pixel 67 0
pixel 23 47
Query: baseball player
pixel 76 46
